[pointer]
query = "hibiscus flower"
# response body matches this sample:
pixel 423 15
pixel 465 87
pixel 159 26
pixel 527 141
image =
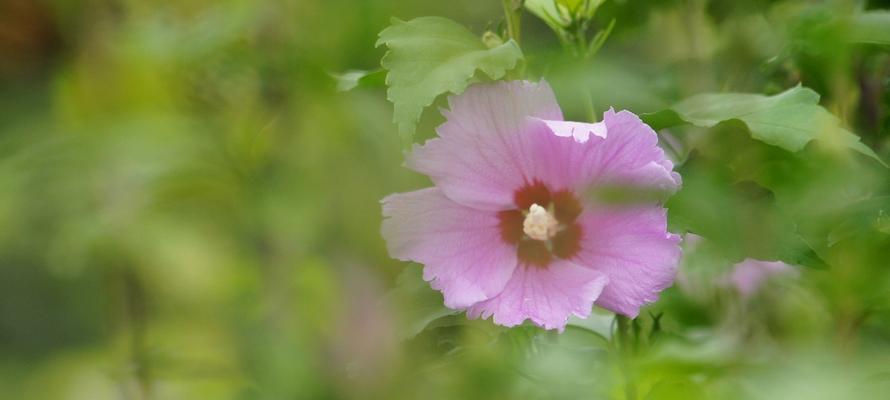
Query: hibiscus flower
pixel 510 231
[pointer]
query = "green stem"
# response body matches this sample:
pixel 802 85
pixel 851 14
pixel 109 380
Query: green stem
pixel 591 108
pixel 625 350
pixel 512 9
pixel 134 301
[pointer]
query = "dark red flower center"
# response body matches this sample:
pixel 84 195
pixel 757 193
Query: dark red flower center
pixel 539 250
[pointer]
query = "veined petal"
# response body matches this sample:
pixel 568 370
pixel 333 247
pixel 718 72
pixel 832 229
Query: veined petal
pixel 479 158
pixel 630 155
pixel 633 248
pixel 621 150
pixel 546 296
pixel 460 247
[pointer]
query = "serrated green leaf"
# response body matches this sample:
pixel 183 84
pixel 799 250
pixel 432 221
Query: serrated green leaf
pixel 871 27
pixel 789 120
pixel 429 56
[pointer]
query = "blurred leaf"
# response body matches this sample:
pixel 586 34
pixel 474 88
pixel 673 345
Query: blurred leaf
pixel 662 119
pixel 561 13
pixel 871 27
pixel 359 78
pixel 600 39
pixel 789 120
pixel 796 250
pixel 424 305
pixel 429 56
pixel 598 324
pixel 861 217
pixel 551 12
pixel 739 218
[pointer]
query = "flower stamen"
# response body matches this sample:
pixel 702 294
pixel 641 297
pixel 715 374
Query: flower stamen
pixel 539 223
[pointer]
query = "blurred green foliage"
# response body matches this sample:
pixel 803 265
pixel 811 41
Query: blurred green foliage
pixel 190 208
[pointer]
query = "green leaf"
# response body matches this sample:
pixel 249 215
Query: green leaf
pixel 861 217
pixel 789 120
pixel 358 78
pixel 662 119
pixel 598 324
pixel 551 12
pixel 429 56
pixel 871 27
pixel 740 218
pixel 422 305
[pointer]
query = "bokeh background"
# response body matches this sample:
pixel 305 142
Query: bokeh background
pixel 189 208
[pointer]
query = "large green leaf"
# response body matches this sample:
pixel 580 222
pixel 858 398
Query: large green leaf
pixel 740 218
pixel 789 120
pixel 871 27
pixel 429 56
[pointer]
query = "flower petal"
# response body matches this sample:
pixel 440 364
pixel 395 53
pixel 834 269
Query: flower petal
pixel 626 153
pixel 461 248
pixel 748 276
pixel 631 154
pixel 479 159
pixel 580 131
pixel 546 296
pixel 633 248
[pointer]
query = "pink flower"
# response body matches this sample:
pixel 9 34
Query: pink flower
pixel 748 276
pixel 504 232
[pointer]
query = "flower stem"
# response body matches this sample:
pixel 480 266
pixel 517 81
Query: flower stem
pixel 512 9
pixel 626 350
pixel 512 13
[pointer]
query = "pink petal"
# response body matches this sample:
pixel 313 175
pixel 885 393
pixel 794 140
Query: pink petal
pixel 749 275
pixel 546 296
pixel 479 158
pixel 633 155
pixel 633 248
pixel 461 248
pixel 627 154
pixel 502 136
pixel 580 131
